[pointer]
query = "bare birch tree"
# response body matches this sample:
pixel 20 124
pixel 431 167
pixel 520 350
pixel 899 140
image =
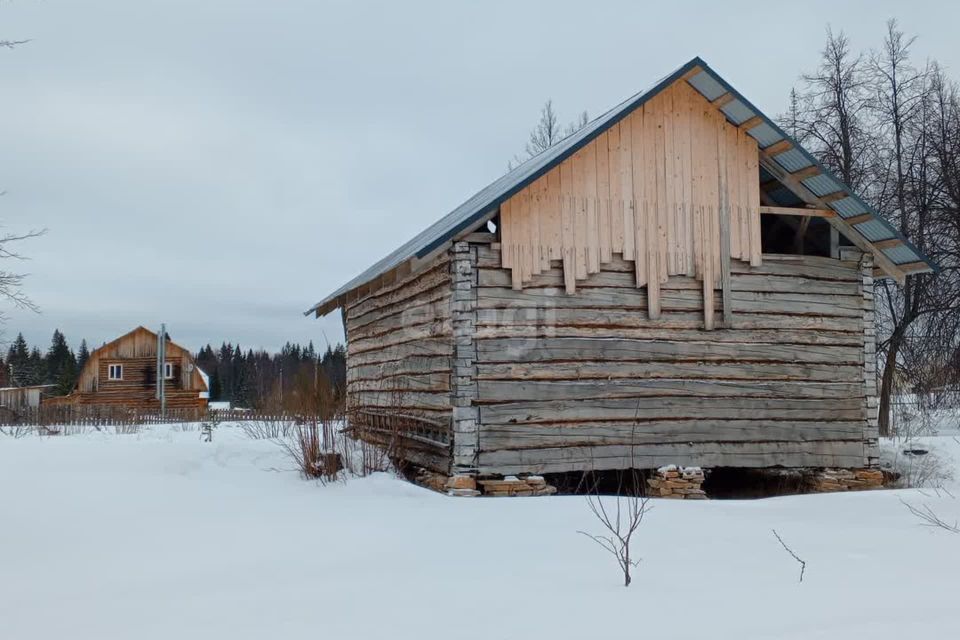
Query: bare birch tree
pixel 889 129
pixel 547 133
pixel 829 113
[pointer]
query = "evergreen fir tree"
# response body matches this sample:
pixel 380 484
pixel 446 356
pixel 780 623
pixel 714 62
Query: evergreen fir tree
pixel 35 370
pixel 18 361
pixel 83 354
pixel 60 365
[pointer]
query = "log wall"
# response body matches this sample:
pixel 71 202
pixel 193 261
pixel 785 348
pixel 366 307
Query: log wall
pixel 570 382
pixel 399 354
pixel 138 387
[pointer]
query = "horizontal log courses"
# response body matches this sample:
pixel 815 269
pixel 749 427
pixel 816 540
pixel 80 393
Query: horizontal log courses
pixel 399 352
pixel 567 382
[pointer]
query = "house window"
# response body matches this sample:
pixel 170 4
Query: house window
pixel 168 371
pixel 115 372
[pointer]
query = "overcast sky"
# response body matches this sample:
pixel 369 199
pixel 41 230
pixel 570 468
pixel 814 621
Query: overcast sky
pixel 222 165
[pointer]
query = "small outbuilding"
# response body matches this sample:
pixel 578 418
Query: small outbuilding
pixel 20 398
pixel 679 282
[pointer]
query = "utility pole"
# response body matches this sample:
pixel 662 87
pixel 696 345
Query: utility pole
pixel 161 368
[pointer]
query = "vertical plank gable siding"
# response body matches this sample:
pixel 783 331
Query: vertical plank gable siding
pixel 570 382
pixel 673 188
pixel 399 353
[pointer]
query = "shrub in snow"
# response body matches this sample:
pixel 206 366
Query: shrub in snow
pixel 127 429
pixel 16 430
pixel 311 444
pixel 621 516
pixel 266 429
pixel 915 466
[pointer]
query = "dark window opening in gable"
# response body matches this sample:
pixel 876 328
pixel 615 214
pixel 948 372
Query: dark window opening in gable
pixel 793 234
pixel 796 235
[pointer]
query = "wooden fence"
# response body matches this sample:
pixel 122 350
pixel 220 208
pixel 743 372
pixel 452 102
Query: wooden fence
pixel 96 416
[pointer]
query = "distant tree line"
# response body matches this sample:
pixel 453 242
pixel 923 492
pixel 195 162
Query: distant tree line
pixel 295 378
pixel 58 365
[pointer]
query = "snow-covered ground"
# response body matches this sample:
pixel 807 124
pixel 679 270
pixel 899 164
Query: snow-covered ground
pixel 160 535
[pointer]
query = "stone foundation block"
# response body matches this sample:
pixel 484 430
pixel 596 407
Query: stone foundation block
pixel 513 486
pixel 830 480
pixel 677 483
pixel 461 481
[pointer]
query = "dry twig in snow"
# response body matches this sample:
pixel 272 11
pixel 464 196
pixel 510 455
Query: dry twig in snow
pixel 930 518
pixel 803 565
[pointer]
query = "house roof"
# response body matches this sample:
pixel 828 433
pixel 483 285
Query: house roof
pixel 804 180
pixel 107 345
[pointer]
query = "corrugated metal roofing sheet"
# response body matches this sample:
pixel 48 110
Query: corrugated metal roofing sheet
pixel 737 112
pixel 901 254
pixel 848 207
pixel 488 199
pixel 821 185
pixel 765 134
pixel 708 85
pixel 874 230
pixel 792 160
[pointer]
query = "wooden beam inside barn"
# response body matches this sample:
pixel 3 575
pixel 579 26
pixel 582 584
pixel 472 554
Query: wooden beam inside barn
pixel 799 211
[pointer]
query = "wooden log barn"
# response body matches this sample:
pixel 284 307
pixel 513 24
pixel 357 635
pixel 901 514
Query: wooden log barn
pixel 123 373
pixel 679 282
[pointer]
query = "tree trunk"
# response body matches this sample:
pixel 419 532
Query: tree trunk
pixel 886 385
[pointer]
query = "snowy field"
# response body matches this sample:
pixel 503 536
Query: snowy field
pixel 159 535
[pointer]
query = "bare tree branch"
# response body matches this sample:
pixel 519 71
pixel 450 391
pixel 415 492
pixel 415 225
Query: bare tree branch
pixel 11 283
pixel 930 518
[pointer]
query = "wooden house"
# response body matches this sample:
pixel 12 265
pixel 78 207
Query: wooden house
pixel 123 372
pixel 679 282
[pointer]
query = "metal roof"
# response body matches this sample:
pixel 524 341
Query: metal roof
pixel 709 84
